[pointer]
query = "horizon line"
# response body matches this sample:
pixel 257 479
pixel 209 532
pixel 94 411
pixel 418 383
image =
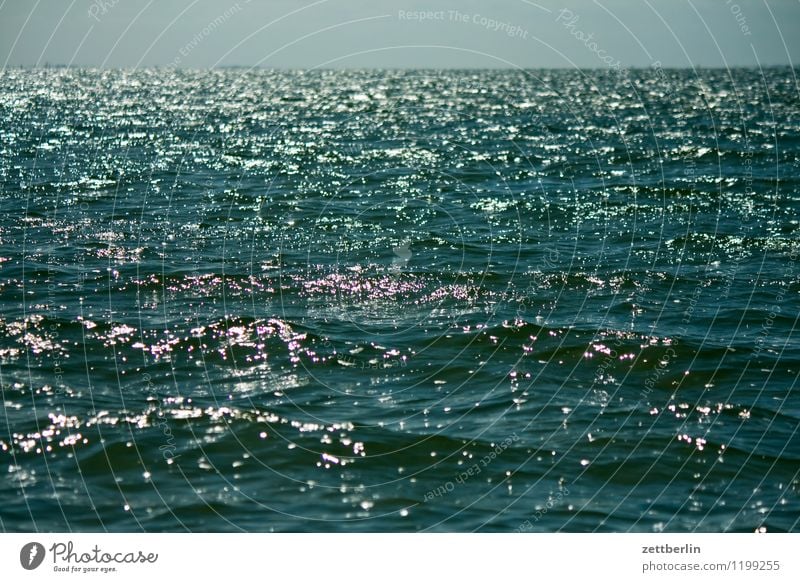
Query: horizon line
pixel 392 68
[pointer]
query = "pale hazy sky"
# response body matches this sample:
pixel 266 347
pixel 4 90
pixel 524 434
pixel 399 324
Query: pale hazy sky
pixel 390 33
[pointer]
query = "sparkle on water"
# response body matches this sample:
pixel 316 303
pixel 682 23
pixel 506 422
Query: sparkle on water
pixel 379 301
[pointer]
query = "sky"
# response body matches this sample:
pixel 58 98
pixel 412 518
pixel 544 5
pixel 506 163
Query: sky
pixel 306 34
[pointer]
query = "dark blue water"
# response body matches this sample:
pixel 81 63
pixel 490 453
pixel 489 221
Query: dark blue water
pixel 397 301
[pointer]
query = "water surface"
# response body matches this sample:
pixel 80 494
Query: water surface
pixel 399 301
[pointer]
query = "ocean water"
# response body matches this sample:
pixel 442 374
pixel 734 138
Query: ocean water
pixel 372 301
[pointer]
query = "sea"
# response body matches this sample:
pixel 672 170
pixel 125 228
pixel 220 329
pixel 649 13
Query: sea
pixel 399 300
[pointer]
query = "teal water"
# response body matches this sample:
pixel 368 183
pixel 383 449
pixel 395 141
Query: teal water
pixel 399 300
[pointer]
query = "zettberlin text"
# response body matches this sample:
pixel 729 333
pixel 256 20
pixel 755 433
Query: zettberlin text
pixel 684 549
